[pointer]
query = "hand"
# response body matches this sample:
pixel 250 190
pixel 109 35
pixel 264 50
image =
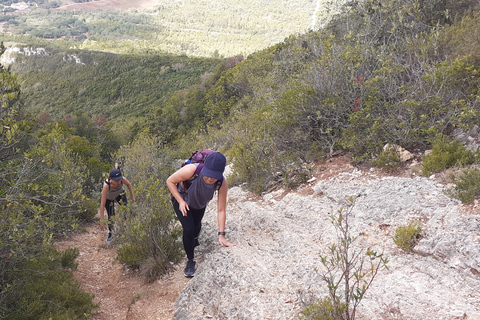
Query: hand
pixel 101 227
pixel 183 207
pixel 224 242
pixel 133 199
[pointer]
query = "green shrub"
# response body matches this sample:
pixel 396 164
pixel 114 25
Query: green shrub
pixel 406 237
pixel 389 159
pixel 88 211
pixel 40 289
pixel 147 233
pixel 150 238
pixel 446 154
pixel 467 186
pixel 322 310
pixel 296 174
pixel 68 257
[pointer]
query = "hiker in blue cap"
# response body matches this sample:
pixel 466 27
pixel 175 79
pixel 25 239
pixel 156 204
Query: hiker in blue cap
pixel 190 202
pixel 112 192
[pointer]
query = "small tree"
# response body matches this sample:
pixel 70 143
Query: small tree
pixel 349 269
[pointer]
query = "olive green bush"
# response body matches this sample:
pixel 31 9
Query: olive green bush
pixel 445 154
pixel 467 185
pixel 406 237
pixel 41 197
pixel 322 309
pixel 43 287
pixel 147 233
pixel 389 159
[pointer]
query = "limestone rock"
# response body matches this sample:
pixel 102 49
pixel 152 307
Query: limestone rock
pixel 275 270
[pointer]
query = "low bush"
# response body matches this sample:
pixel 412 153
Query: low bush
pixel 389 159
pixel 446 154
pixel 406 237
pixel 44 288
pixel 467 186
pixel 322 310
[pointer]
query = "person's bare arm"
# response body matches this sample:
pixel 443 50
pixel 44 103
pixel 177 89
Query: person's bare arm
pixel 183 174
pixel 103 200
pixel 222 213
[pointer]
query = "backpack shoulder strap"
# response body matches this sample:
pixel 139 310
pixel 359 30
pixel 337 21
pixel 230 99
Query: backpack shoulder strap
pixel 219 184
pixel 197 171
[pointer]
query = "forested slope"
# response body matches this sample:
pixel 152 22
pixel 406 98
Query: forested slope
pixel 59 83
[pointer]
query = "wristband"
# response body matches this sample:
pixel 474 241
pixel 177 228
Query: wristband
pixel 221 233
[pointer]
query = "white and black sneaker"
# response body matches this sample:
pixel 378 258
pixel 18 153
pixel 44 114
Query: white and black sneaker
pixel 190 268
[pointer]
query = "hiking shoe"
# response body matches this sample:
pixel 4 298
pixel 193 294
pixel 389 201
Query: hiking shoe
pixel 110 238
pixel 190 268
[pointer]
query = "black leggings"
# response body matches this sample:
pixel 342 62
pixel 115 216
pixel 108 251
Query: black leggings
pixel 110 206
pixel 191 224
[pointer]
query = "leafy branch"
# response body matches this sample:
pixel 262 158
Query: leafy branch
pixel 349 269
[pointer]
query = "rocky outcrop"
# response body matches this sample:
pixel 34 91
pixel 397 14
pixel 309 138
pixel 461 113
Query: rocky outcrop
pixel 274 270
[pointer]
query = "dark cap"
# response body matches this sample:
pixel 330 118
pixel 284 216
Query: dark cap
pixel 214 165
pixel 115 174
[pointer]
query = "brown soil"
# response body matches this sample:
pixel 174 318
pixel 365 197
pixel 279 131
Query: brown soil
pixel 120 292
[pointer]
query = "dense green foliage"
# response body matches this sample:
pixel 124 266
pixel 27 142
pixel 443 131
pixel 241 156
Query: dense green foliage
pixel 380 72
pixel 377 74
pixel 389 159
pixel 43 195
pixel 119 87
pixel 447 154
pixel 45 289
pixel 322 309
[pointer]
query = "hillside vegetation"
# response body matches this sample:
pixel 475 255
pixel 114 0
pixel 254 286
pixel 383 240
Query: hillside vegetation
pixel 194 28
pixel 118 86
pixel 389 71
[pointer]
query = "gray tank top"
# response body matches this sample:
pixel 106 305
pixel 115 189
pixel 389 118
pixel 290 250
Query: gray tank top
pixel 113 193
pixel 199 193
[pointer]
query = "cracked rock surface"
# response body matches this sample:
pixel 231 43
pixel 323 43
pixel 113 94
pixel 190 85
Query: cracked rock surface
pixel 274 271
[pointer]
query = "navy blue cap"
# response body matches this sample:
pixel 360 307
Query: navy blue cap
pixel 214 165
pixel 115 174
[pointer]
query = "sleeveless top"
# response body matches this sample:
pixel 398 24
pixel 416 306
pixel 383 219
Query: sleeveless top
pixel 113 193
pixel 199 193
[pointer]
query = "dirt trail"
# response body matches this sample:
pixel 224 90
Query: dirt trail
pixel 122 293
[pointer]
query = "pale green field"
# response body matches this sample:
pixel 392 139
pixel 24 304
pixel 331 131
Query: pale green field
pixel 225 28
